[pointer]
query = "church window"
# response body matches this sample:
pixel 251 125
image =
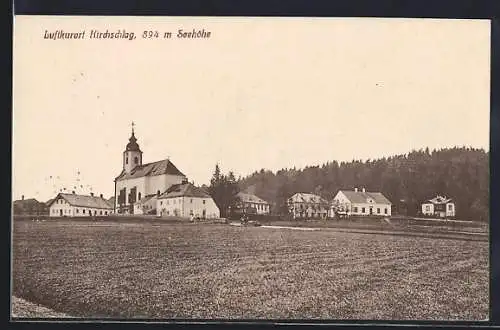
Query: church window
pixel 126 160
pixel 139 196
pixel 136 160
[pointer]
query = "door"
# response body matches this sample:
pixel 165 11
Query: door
pixel 204 214
pixel 371 210
pixel 60 213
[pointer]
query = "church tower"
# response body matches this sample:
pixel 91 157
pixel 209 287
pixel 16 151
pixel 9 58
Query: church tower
pixel 132 156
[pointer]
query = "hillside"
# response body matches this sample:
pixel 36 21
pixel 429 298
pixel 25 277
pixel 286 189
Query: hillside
pixel 407 180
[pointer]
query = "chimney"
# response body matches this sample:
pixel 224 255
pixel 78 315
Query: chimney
pixel 100 196
pixel 364 190
pixel 355 189
pixel 92 194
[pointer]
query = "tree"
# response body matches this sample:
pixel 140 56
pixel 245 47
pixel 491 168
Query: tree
pixel 224 190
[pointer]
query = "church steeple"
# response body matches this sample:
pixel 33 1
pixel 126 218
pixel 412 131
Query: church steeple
pixel 132 156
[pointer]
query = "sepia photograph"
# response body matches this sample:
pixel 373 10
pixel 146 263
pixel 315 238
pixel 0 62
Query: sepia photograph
pixel 250 168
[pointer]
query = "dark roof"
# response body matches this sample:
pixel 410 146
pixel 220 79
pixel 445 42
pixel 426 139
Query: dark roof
pixel 132 144
pixel 157 168
pixel 28 201
pixel 146 198
pixel 249 198
pixel 439 200
pixel 184 190
pixel 363 197
pixel 84 201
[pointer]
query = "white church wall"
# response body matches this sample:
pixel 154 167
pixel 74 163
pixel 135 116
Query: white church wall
pixel 161 183
pixel 131 183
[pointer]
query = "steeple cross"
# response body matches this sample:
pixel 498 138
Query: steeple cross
pixel 133 124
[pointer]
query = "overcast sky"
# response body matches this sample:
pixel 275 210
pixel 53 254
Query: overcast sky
pixel 260 93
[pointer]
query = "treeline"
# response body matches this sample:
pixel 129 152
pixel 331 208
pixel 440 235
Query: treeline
pixel 407 180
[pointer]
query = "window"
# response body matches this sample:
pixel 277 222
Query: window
pixel 77 210
pixel 355 209
pixel 378 210
pixel 100 213
pixel 362 210
pixel 126 160
pixel 83 211
pixel 161 202
pixel 204 201
pixel 427 208
pixel 105 212
pixel 191 200
pixel 450 207
pixel 136 160
pixel 385 210
pixel 168 202
pixel 139 198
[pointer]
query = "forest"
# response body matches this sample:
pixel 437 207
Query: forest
pixel 407 180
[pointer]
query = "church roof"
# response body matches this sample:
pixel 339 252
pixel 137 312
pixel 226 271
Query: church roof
pixel 157 168
pixel 184 190
pixel 84 201
pixel 132 143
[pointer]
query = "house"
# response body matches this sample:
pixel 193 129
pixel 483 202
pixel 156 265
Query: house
pixel 439 206
pixel 147 205
pixel 361 203
pixel 73 205
pixel 29 206
pixel 138 180
pixel 186 200
pixel 307 206
pixel 250 203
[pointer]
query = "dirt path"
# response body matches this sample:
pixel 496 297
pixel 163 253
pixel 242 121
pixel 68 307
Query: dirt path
pixel 24 309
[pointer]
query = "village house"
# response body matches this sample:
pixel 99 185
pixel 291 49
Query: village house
pixel 73 205
pixel 306 206
pixel 360 203
pixel 439 206
pixel 250 203
pixel 138 180
pixel 147 205
pixel 29 206
pixel 186 200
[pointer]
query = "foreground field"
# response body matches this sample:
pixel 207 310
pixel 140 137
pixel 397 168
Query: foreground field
pixel 220 271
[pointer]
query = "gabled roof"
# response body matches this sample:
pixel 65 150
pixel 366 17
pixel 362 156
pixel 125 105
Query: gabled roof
pixel 364 197
pixel 83 201
pixel 307 198
pixel 184 190
pixel 439 200
pixel 146 198
pixel 157 168
pixel 249 198
pixel 29 201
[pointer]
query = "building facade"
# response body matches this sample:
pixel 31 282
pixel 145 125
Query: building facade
pixel 439 206
pixel 73 205
pixel 186 200
pixel 307 206
pixel 357 202
pixel 249 203
pixel 138 180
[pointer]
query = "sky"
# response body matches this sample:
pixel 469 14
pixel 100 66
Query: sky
pixel 259 93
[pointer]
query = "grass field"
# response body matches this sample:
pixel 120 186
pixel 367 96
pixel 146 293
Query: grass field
pixel 135 270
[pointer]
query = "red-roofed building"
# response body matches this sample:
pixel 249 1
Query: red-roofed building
pixel 137 180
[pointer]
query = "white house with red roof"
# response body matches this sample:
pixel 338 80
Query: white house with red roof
pixel 137 180
pixel 73 205
pixel 361 203
pixel 186 200
pixel 439 206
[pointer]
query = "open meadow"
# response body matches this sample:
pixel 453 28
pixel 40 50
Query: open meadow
pixel 183 270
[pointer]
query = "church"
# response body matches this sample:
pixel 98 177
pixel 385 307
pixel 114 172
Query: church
pixel 138 181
